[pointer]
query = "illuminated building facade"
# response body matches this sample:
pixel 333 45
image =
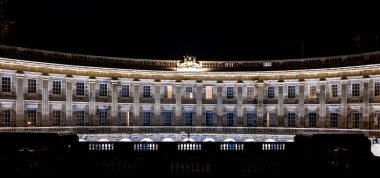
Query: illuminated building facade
pixel 42 90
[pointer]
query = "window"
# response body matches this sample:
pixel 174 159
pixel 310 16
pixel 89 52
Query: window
pixel 80 88
pixel 209 118
pixel 291 91
pixel 5 84
pixel 355 89
pixel 313 119
pixel 291 119
pixel 80 118
pixel 251 119
pixel 209 93
pixel 6 118
pixel 124 118
pixel 230 119
pixel 167 118
pixel 270 92
pixel 56 118
pixel 334 91
pixel 32 117
pixel 103 113
pixel 377 121
pixel 189 92
pixel 313 91
pixel 32 86
pixel 377 88
pixel 188 118
pixel 146 118
pixel 334 119
pixel 356 116
pixel 57 87
pixel 230 92
pixel 250 92
pixel 146 91
pixel 103 89
pixel 169 91
pixel 270 119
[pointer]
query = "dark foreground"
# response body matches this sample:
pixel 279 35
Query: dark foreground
pixel 61 155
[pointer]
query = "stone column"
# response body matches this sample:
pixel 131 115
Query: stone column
pixel 157 104
pixel 20 122
pixel 69 101
pixel 260 101
pixel 92 102
pixel 280 104
pixel 178 97
pixel 136 103
pixel 45 102
pixel 343 119
pixel 322 103
pixel 219 104
pixel 365 123
pixel 114 108
pixel 300 122
pixel 239 108
pixel 199 104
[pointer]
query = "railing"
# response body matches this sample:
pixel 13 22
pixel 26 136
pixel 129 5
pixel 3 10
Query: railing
pixel 232 146
pixel 188 129
pixel 273 146
pixel 189 146
pixel 145 146
pixel 100 146
pixel 149 64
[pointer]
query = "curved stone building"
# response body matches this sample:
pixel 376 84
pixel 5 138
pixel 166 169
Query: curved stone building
pixel 53 91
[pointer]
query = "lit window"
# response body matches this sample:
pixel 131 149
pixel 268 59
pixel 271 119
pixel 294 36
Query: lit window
pixel 80 118
pixel 57 87
pixel 270 92
pixel 291 91
pixel 334 119
pixel 124 91
pixel 356 116
pixel 270 119
pixel 80 88
pixel 251 119
pixel 209 118
pixel 56 118
pixel 189 92
pixel 230 92
pixel 377 121
pixel 230 119
pixel 334 91
pixel 355 89
pixel 313 91
pixel 103 119
pixel 6 118
pixel 167 118
pixel 124 118
pixel 209 93
pixel 291 119
pixel 250 92
pixel 377 88
pixel 32 117
pixel 169 91
pixel 32 86
pixel 313 119
pixel 5 84
pixel 146 118
pixel 103 89
pixel 146 91
pixel 188 118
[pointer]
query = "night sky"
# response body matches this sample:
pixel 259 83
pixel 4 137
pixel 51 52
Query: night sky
pixel 208 31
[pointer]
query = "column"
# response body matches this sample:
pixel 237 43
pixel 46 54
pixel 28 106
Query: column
pixel 199 104
pixel 69 101
pixel 343 122
pixel 322 103
pixel 20 101
pixel 280 104
pixel 157 104
pixel 260 101
pixel 92 102
pixel 178 97
pixel 136 103
pixel 239 108
pixel 45 102
pixel 114 108
pixel 300 122
pixel 219 104
pixel 365 123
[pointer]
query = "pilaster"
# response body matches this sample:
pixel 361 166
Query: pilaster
pixel 199 104
pixel 114 108
pixel 45 102
pixel 20 122
pixel 280 104
pixel 69 102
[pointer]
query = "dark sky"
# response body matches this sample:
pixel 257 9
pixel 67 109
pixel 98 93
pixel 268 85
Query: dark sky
pixel 208 31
